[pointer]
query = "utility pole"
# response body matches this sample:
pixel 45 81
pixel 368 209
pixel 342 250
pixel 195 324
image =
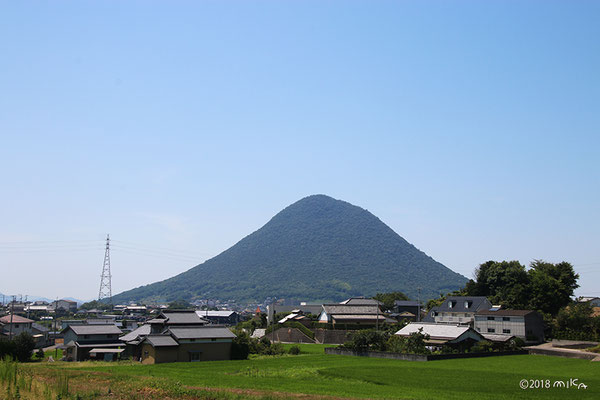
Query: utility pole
pixel 105 280
pixel 377 320
pixel 12 311
pixel 419 305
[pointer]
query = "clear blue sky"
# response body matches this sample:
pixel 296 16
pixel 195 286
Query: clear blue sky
pixel 472 128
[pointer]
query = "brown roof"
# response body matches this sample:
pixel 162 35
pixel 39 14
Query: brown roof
pixel 505 313
pixel 16 319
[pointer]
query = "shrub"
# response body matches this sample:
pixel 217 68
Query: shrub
pixel 240 347
pixel 483 346
pixel 295 350
pixel 24 345
pixel 368 340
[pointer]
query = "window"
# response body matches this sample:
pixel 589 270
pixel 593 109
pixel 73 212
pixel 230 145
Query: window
pixel 195 356
pixel 505 330
pixel 16 325
pixel 466 314
pixel 86 336
pixel 490 318
pixel 213 339
pixel 505 318
pixel 468 304
pixel 192 340
pixel 491 330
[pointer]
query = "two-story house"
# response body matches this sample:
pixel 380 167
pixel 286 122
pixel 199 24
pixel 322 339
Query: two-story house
pixel 12 325
pixel 457 310
pixel 525 324
pixel 83 341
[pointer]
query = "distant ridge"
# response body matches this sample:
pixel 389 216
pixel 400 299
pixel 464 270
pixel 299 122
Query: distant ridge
pixel 318 248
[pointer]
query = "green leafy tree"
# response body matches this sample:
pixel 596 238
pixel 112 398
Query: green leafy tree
pixel 368 339
pixel 179 305
pixel 24 345
pixel 576 317
pixel 551 285
pixel 415 343
pixel 388 299
pixel 240 347
pixel 504 282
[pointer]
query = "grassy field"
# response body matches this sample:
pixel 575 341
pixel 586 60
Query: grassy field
pixel 318 375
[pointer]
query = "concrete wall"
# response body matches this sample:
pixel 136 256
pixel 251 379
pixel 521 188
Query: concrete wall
pixel 330 336
pixel 289 335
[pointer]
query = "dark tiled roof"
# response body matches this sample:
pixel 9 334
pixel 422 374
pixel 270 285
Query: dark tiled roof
pixel 201 333
pixel 182 318
pixel 476 302
pixel 505 313
pixel 94 329
pixel 39 327
pixel 143 330
pixel 407 303
pixel 161 341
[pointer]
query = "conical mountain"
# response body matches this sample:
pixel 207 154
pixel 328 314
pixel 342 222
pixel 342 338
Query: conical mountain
pixel 318 248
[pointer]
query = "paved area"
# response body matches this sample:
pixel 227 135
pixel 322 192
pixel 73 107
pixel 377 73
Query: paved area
pixel 549 350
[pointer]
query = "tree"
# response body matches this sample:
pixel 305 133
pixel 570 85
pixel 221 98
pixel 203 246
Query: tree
pixel 179 305
pixel 503 283
pixel 370 339
pixel 551 285
pixel 412 344
pixel 24 345
pixel 388 299
pixel 95 304
pixel 576 317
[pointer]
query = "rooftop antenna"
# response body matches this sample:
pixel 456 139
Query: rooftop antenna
pixel 105 285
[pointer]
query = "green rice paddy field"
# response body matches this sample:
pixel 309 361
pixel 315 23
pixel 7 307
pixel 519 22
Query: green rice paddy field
pixel 317 375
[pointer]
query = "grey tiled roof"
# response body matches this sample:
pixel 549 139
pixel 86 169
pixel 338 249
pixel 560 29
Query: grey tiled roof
pixel 333 309
pixel 201 333
pixel 143 330
pixel 94 329
pixel 161 341
pixel 360 301
pixel 181 318
pixel 476 303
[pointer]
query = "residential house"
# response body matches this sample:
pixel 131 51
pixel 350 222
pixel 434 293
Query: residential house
pixel 594 302
pixel 457 310
pixel 64 305
pixel 179 343
pixel 222 317
pixel 296 316
pixel 345 314
pixel 41 335
pixel 169 318
pixel 525 324
pixel 12 325
pixel 443 334
pixel 85 341
pixel 407 309
pixel 273 309
pixel 361 301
